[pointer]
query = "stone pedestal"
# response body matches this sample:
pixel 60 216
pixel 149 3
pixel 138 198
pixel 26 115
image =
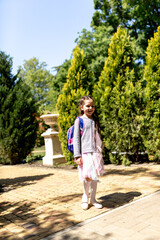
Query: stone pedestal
pixel 53 149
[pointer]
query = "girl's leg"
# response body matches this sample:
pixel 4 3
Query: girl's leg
pixel 86 186
pixel 85 196
pixel 93 191
pixel 93 194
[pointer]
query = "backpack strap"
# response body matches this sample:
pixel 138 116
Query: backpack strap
pixel 81 124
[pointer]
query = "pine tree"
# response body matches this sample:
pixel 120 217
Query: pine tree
pixel 119 100
pixel 79 83
pixel 18 124
pixel 152 95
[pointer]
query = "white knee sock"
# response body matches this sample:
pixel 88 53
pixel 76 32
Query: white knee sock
pixel 93 191
pixel 86 191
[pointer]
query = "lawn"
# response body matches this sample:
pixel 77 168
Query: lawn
pixel 39 149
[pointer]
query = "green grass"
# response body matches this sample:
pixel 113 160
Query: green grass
pixel 38 151
pixel 42 148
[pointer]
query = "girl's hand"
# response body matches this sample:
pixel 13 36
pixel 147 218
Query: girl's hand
pixel 79 161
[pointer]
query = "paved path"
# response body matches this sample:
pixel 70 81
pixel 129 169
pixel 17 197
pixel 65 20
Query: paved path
pixel 139 220
pixel 38 202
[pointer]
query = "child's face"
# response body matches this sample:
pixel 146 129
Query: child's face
pixel 88 108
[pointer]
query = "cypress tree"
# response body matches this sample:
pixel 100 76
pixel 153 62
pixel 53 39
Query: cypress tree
pixel 152 96
pixel 119 101
pixel 79 83
pixel 18 109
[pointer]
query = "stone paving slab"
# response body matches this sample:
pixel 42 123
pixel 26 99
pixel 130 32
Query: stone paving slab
pixel 39 201
pixel 139 220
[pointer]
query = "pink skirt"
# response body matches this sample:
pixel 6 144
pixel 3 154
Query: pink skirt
pixel 92 166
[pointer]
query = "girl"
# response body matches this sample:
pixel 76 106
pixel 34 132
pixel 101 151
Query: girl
pixel 88 151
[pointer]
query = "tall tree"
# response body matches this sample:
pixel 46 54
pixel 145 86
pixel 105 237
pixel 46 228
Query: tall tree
pixel 119 96
pixel 79 83
pixel 57 84
pixel 39 79
pixel 152 95
pixel 18 124
pixel 95 45
pixel 141 18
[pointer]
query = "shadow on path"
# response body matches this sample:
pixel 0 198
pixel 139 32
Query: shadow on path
pixel 133 172
pixel 30 222
pixel 125 171
pixel 8 184
pixel 118 199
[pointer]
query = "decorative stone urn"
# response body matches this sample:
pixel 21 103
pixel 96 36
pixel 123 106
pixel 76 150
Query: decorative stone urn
pixel 53 149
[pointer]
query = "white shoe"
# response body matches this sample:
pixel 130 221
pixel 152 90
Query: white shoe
pixel 84 205
pixel 97 205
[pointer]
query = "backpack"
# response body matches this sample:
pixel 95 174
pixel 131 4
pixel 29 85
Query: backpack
pixel 70 135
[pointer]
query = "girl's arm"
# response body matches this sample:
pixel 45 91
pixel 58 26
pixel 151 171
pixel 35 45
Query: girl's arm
pixel 77 139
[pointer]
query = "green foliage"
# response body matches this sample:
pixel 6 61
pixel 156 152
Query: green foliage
pixel 32 158
pixel 141 18
pixel 61 76
pixel 35 74
pixel 114 158
pixel 79 83
pixel 152 96
pixel 125 161
pixel 120 56
pixel 119 99
pixel 18 109
pixel 95 45
pixel 57 84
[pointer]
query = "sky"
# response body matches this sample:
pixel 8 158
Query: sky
pixel 45 29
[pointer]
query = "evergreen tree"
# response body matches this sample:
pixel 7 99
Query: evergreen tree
pixel 79 83
pixel 152 95
pixel 57 84
pixel 119 100
pixel 18 109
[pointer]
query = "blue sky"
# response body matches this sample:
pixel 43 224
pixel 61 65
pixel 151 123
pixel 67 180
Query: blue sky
pixel 45 29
